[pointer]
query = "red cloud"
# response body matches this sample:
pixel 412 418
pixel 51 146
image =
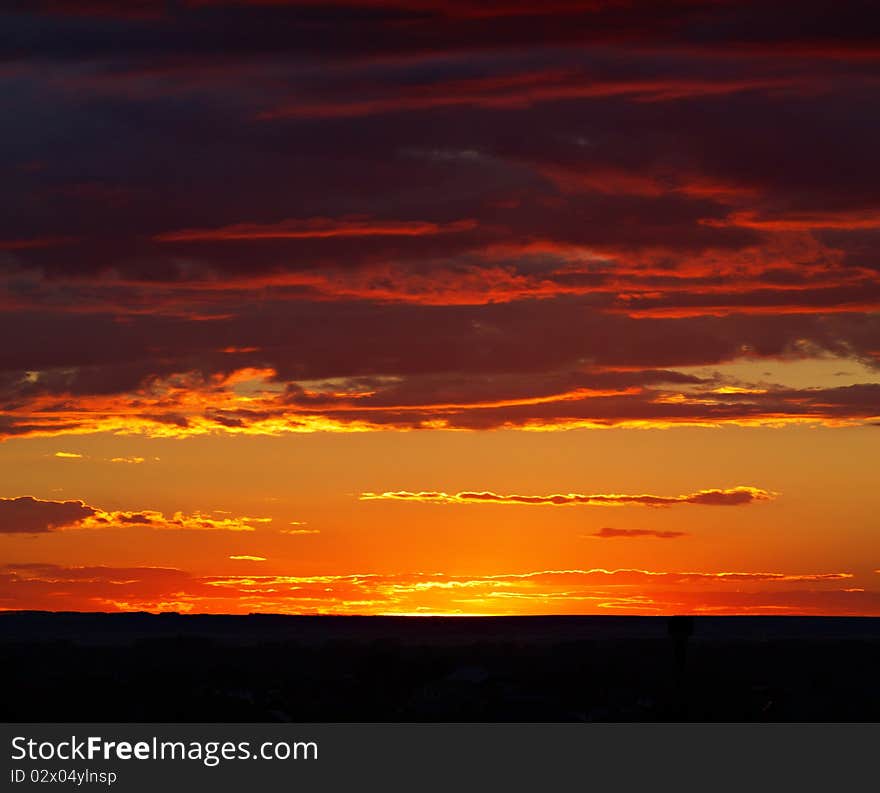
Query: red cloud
pixel 522 90
pixel 316 228
pixel 846 220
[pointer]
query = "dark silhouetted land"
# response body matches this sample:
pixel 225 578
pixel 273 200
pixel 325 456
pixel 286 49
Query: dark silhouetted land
pixel 168 667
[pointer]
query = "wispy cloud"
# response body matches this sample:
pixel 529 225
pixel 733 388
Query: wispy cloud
pixel 735 496
pixel 316 228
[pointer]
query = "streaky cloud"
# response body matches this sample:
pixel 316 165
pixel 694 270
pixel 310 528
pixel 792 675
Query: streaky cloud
pixel 606 533
pixel 734 496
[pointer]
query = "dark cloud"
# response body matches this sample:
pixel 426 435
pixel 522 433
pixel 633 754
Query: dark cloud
pixel 408 213
pixel 29 515
pixel 608 533
pixel 311 365
pixel 376 27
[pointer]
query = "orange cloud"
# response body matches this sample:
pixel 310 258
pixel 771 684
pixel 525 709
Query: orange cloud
pixel 179 521
pixel 730 497
pixel 251 401
pixel 573 591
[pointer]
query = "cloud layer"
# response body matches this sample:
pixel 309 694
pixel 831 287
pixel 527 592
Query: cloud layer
pixel 408 214
pixel 541 592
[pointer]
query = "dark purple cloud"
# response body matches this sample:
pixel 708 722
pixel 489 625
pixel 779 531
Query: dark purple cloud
pixel 412 213
pixel 608 533
pixel 29 515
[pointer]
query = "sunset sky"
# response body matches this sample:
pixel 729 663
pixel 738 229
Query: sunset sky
pixel 440 306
